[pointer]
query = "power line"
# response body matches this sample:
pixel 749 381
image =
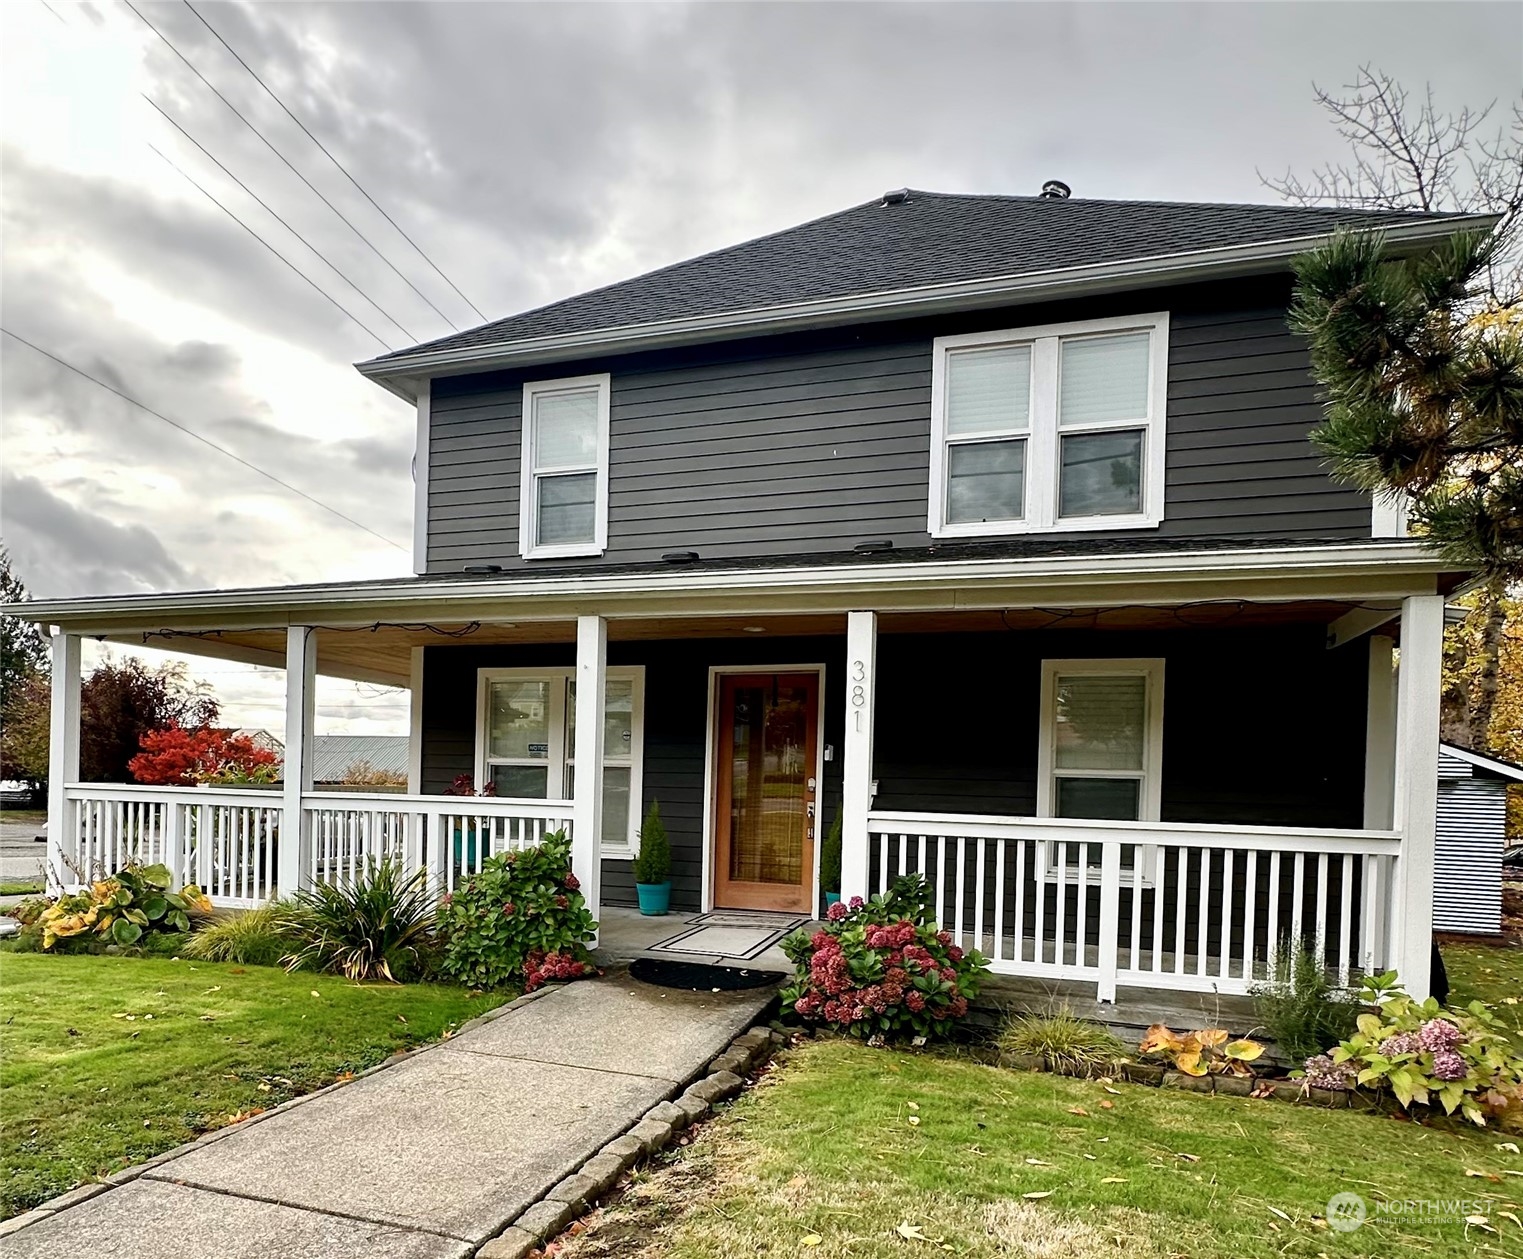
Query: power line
pixel 342 168
pixel 269 246
pixel 287 162
pixel 270 209
pixel 317 502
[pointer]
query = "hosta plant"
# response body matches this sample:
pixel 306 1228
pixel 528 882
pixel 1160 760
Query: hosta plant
pixel 123 908
pixel 376 925
pixel 1428 1056
pixel 880 969
pixel 1206 1051
pixel 521 919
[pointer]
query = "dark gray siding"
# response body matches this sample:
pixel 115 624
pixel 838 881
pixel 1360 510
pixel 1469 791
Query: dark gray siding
pixel 1260 726
pixel 809 443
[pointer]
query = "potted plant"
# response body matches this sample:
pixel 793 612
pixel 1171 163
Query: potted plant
pixel 653 864
pixel 830 862
pixel 465 836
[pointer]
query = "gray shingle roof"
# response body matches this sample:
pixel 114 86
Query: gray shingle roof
pixel 932 238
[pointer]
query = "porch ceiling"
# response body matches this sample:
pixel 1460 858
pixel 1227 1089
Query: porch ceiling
pixel 381 653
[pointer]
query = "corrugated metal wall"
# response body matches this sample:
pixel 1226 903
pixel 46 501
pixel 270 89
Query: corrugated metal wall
pixel 1467 856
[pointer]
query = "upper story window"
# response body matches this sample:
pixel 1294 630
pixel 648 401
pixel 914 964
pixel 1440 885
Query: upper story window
pixel 563 504
pixel 1053 427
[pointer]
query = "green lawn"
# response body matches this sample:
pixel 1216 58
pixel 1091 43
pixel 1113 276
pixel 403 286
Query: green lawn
pixel 1491 972
pixel 823 1159
pixel 21 887
pixel 106 1061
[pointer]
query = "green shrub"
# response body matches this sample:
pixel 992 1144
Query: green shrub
pixel 653 863
pixel 1427 1056
pixel 254 937
pixel 1068 1043
pixel 881 970
pixel 375 926
pixel 1300 1007
pixel 830 857
pixel 521 919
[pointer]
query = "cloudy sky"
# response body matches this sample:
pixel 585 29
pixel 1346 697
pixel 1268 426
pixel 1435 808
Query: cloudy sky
pixel 531 151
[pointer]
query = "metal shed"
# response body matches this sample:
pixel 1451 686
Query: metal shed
pixel 1471 835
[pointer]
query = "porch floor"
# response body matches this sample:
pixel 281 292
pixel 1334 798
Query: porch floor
pixel 625 934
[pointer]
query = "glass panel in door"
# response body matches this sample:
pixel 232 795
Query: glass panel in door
pixel 765 823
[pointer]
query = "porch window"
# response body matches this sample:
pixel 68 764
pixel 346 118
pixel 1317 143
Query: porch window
pixel 526 739
pixel 1049 428
pixel 1101 746
pixel 563 507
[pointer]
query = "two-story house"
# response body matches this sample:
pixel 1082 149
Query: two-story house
pixel 989 523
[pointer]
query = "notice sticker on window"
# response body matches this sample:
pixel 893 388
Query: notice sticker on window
pixel 539 749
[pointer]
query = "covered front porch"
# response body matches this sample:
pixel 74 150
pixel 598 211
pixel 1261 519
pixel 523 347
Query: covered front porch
pixel 1151 794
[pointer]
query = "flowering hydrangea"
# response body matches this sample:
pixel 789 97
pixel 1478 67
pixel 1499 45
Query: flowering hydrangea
pixel 1401 1043
pixel 1448 1066
pixel 543 968
pixel 879 969
pixel 1439 1034
pixel 1323 1073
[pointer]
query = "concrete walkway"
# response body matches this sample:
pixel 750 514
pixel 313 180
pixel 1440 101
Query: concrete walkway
pixel 423 1160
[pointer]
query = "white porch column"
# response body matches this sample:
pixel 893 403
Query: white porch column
pixel 63 761
pixel 415 724
pixel 587 799
pixel 301 691
pixel 857 750
pixel 1380 736
pixel 1419 682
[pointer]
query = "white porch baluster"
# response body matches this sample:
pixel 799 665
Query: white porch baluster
pixel 857 753
pixel 63 763
pixel 301 687
pixel 587 804
pixel 1417 717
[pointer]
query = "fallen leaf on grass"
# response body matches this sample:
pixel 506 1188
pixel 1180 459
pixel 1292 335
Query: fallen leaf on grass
pixel 1113 1180
pixel 1107 1104
pixel 1510 1146
pixel 811 1239
pixel 911 1232
pixel 1481 1222
pixel 1091 1158
pixel 1040 1193
pixel 1036 1162
pixel 1108 1089
pixel 317 994
pixel 401 1018
pixel 1491 1176
pixel 1508 1215
pixel 1078 1110
pixel 913 1105
pixel 1281 1214
pixel 1189 1158
pixel 264 1086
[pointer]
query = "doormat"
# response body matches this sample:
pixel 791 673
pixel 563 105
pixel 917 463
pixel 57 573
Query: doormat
pixel 718 935
pixel 776 920
pixel 696 977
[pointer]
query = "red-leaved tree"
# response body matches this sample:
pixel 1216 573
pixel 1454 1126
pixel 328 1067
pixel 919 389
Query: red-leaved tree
pixel 178 757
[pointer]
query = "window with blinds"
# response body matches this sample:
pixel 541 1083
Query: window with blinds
pixel 564 505
pixel 1056 427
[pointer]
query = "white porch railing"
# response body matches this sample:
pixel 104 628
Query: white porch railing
pixel 228 842
pixel 1157 905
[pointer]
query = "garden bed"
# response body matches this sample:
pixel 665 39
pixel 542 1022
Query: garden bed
pixel 110 1060
pixel 850 1150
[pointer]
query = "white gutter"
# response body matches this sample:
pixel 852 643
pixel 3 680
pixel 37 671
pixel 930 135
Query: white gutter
pixel 459 597
pixel 1152 271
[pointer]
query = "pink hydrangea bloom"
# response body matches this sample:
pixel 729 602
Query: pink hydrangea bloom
pixel 836 912
pixel 1448 1065
pixel 1439 1034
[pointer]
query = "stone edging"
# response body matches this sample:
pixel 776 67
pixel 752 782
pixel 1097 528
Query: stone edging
pixel 1157 1076
pixel 83 1193
pixel 544 1219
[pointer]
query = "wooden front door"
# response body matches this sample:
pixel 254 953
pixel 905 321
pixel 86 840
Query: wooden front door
pixel 767 726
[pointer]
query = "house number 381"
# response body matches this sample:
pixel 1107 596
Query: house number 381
pixel 858 691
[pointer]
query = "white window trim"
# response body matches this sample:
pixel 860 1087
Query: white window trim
pixel 560 752
pixel 1041 476
pixel 528 498
pixel 1150 799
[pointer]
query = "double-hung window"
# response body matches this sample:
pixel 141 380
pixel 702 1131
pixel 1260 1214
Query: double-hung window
pixel 1100 753
pixel 563 504
pixel 526 742
pixel 1049 428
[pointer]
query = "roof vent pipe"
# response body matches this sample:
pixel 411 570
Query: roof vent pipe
pixel 1056 190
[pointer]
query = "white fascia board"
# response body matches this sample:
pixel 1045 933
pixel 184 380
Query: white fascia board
pixel 1148 272
pixel 1397 564
pixel 1482 761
